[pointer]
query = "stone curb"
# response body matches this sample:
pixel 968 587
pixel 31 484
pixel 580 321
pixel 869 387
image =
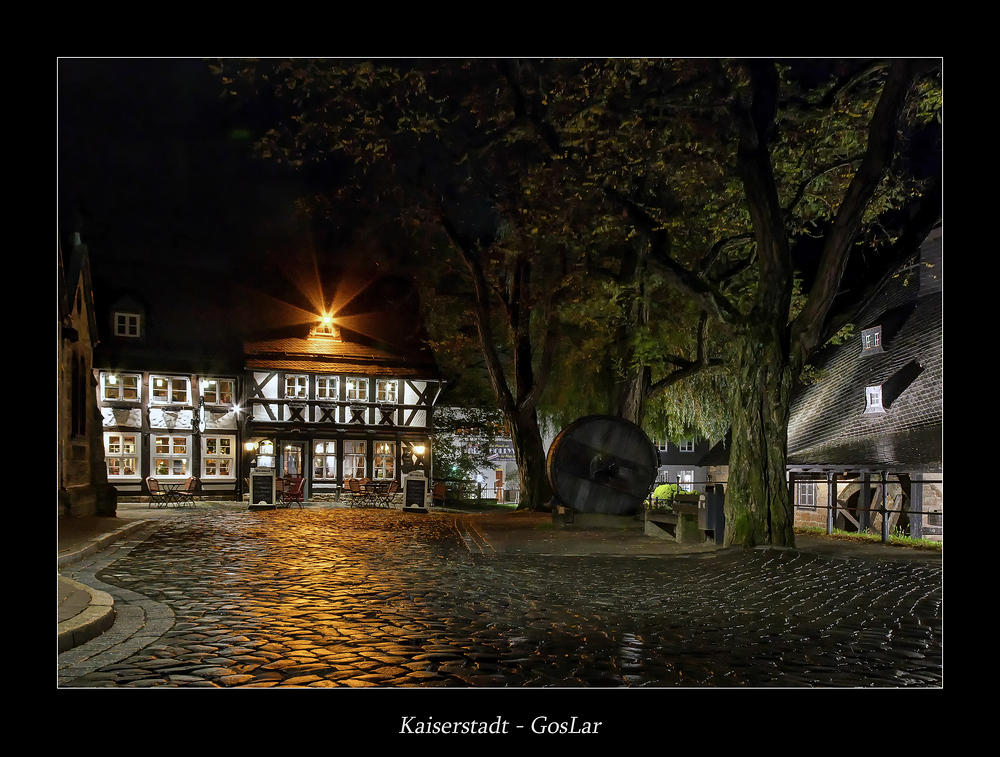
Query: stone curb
pixel 97 618
pixel 99 615
pixel 96 545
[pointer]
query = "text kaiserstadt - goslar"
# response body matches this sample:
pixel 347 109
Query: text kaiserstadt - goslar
pixel 539 725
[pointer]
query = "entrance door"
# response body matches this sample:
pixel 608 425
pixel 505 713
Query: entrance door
pixel 292 459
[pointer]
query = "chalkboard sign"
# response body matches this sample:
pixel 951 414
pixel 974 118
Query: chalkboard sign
pixel 415 493
pixel 262 488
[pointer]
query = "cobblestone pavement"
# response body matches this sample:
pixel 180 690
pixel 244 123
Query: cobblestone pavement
pixel 363 598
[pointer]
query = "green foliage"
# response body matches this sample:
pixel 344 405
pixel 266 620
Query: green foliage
pixel 666 492
pixel 462 440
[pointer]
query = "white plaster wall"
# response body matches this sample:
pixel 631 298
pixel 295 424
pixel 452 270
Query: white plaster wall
pixel 112 417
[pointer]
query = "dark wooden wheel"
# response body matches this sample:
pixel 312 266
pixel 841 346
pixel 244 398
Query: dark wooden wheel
pixel 602 464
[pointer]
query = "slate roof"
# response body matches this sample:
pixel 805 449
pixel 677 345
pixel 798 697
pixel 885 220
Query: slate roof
pixel 828 426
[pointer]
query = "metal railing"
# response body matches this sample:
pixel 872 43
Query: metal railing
pixel 468 490
pixel 863 524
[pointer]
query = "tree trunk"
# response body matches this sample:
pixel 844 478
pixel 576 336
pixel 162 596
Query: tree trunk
pixel 526 439
pixel 631 393
pixel 758 510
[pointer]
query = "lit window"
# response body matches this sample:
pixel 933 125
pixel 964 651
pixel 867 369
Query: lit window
pixel 171 456
pixel 327 388
pixel 805 495
pixel 871 340
pixel 873 400
pixel 169 390
pixel 127 324
pixel 296 387
pixel 685 479
pixel 385 460
pixel 121 454
pixel 354 459
pixel 219 391
pixel 357 389
pixel 385 390
pixel 120 387
pixel 218 459
pixel 325 461
pixel 326 327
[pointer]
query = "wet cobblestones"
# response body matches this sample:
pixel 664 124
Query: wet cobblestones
pixel 362 598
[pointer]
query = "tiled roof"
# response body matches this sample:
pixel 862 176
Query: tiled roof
pixel 828 425
pixel 319 354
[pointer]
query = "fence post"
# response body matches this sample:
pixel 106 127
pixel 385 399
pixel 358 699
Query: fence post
pixel 885 514
pixel 831 501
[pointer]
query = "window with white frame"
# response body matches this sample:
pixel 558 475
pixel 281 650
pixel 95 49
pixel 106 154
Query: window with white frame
pixel 354 459
pixel 218 456
pixel 218 391
pixel 805 495
pixel 121 454
pixel 871 340
pixel 325 461
pixel 171 455
pixel 873 400
pixel 357 389
pixel 127 324
pixel 120 387
pixel 687 445
pixel 327 388
pixel 296 387
pixel 385 460
pixel 386 390
pixel 686 480
pixel 662 445
pixel 169 390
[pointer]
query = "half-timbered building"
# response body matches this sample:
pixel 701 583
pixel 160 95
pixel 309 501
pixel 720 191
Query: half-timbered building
pixel 169 382
pixel 334 408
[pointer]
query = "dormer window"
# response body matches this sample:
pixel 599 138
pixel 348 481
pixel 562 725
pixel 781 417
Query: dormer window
pixel 873 400
pixel 686 445
pixel 871 341
pixel 327 328
pixel 127 324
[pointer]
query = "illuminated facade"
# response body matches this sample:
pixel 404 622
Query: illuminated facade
pixel 336 409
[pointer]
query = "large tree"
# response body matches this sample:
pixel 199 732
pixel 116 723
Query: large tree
pixel 705 179
pixel 728 170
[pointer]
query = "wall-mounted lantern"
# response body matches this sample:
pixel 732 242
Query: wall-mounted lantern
pixel 417 454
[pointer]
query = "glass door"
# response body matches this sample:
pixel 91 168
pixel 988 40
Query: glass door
pixel 291 459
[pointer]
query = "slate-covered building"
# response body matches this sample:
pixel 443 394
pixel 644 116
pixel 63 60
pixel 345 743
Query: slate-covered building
pixel 680 463
pixel 870 430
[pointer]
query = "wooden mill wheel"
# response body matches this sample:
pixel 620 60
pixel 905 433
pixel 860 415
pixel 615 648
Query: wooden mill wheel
pixel 602 464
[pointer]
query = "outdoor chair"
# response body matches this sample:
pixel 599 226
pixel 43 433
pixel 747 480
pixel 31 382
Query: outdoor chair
pixel 391 492
pixel 439 492
pixel 157 496
pixel 357 493
pixel 188 493
pixel 292 492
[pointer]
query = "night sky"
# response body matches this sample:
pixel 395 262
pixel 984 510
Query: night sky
pixel 155 169
pixel 152 161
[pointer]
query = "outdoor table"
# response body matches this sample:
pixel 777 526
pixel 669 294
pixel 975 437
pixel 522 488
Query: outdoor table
pixel 170 491
pixel 376 492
